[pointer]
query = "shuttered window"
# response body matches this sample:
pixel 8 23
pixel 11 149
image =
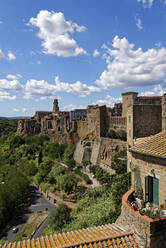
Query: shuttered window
pixel 152 190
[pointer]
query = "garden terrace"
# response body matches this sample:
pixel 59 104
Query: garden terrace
pixel 151 232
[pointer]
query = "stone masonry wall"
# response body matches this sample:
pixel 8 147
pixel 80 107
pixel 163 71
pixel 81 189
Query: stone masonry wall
pixel 147 120
pixel 149 233
pixel 145 164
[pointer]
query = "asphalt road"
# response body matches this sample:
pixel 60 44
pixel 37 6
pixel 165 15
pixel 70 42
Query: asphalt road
pixel 39 203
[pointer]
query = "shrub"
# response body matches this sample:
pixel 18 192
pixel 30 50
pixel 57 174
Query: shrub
pixel 59 217
pixel 119 163
pixel 119 134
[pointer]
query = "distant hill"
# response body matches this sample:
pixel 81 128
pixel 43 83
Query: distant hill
pixel 16 117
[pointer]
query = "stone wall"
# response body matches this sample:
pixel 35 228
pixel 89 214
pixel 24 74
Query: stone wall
pixel 117 123
pixel 82 127
pixel 145 164
pixel 100 151
pixel 83 151
pixel 147 120
pixel 108 148
pixel 149 233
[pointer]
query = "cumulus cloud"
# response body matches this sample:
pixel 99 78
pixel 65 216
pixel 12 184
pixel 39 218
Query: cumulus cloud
pixel 9 84
pixel 146 3
pixel 13 84
pixel 109 101
pixel 129 67
pixel 96 53
pixel 44 89
pixel 76 88
pixel 55 33
pixel 24 110
pixel 15 110
pixel 11 56
pixel 1 54
pixel 138 23
pixel 158 90
pixel 4 95
pixel 72 107
pixel 14 77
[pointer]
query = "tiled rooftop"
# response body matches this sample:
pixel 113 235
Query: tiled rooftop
pixel 110 235
pixel 154 145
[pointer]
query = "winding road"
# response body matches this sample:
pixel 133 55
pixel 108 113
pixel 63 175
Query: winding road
pixel 39 203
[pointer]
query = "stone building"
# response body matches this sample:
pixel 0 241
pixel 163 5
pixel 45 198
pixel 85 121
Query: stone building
pixel 147 163
pixel 86 127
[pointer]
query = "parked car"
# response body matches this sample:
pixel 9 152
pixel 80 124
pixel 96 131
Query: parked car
pixel 15 229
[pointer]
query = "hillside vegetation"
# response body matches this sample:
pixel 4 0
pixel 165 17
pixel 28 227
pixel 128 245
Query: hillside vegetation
pixel 36 159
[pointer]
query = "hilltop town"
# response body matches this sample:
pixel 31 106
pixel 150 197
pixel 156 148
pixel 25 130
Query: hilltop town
pixel 142 120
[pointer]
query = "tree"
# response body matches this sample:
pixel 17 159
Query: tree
pixel 16 141
pixel 68 156
pixel 59 217
pixel 119 163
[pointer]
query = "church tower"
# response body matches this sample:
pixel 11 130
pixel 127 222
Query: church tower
pixel 55 106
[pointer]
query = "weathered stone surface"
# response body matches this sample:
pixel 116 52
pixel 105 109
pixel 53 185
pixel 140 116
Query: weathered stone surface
pixel 150 233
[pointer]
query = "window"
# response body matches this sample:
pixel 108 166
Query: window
pixel 137 176
pixel 129 118
pixel 152 190
pixel 129 132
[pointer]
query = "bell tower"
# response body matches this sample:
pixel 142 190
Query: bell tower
pixel 55 106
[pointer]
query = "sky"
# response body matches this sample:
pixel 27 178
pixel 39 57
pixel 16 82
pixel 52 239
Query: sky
pixel 81 52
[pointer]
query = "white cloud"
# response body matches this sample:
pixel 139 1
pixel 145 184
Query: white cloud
pixel 138 23
pixel 158 90
pixel 43 89
pixel 76 88
pixel 55 33
pixel 13 77
pixel 96 53
pixel 158 44
pixel 14 84
pixel 129 67
pixel 32 53
pixel 24 110
pixel 72 107
pixel 43 98
pixel 8 84
pixel 4 95
pixel 11 56
pixel 109 101
pixel 1 22
pixel 146 3
pixel 15 110
pixel 1 54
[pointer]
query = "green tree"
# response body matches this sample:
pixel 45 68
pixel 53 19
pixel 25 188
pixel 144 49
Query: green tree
pixel 119 163
pixel 59 217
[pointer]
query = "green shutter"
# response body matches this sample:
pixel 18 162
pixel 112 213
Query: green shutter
pixel 155 191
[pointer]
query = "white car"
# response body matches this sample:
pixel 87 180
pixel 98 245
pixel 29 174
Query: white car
pixel 15 229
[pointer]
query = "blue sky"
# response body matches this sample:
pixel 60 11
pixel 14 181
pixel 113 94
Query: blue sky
pixel 81 52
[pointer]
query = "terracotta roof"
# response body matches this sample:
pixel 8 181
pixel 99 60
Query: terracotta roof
pixel 110 235
pixel 154 145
